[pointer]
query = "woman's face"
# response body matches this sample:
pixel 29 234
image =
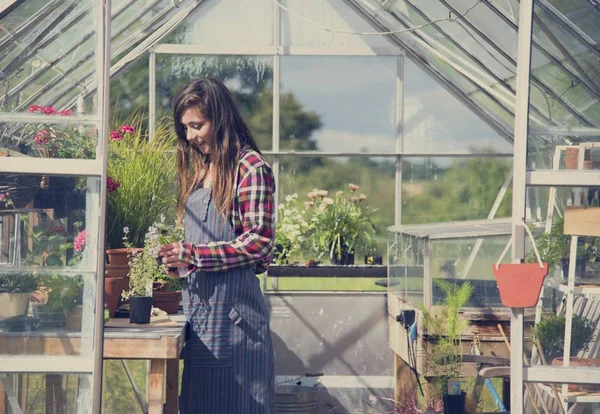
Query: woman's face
pixel 198 129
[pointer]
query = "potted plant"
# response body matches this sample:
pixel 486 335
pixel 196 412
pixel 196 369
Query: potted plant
pixel 555 247
pixel 339 226
pixel 59 301
pixel 144 270
pixel 140 171
pixel 443 357
pixel 289 230
pixel 550 332
pixel 166 292
pixel 15 289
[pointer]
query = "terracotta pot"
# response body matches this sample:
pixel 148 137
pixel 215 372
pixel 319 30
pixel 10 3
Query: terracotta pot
pixel 160 286
pixel 116 270
pixel 120 256
pixel 571 155
pixel 592 363
pixel 167 300
pixel 113 287
pixel 520 284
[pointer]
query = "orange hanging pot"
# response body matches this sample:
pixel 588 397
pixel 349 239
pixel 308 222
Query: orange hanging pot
pixel 520 284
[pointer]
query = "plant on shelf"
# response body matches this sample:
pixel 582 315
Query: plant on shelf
pixel 142 181
pixel 550 332
pixel 443 357
pixel 15 289
pixel 339 226
pixel 59 295
pixel 555 248
pixel 289 230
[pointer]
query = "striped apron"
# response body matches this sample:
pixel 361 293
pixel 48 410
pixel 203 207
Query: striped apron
pixel 228 355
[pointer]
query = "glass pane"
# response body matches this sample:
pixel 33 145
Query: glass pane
pixel 406 271
pixel 48 393
pixel 47 139
pixel 228 23
pixel 435 120
pixel 45 62
pixel 324 108
pixel 468 260
pixel 333 14
pixel 249 78
pixel 450 189
pixel 47 264
pixel 375 194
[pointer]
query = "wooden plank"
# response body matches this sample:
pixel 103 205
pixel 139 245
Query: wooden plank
pixel 2 399
pixel 155 322
pixel 172 406
pixel 582 221
pixel 156 386
pixel 165 348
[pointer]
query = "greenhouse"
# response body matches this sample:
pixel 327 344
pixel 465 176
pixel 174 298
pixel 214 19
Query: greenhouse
pixel 432 224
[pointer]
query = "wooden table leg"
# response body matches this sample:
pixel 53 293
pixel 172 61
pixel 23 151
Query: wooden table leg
pixel 2 399
pixel 172 406
pixel 156 386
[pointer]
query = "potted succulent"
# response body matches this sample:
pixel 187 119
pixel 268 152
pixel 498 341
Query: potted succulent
pixel 339 226
pixel 15 289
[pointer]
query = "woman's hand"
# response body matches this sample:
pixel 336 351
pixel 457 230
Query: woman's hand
pixel 170 258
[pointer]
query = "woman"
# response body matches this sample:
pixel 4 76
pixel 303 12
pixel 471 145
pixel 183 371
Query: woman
pixel 226 193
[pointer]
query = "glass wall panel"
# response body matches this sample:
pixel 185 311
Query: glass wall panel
pixel 451 189
pixel 47 264
pixel 48 139
pixel 435 120
pixel 43 59
pixel 250 79
pixel 228 23
pixel 373 176
pixel 49 393
pixel 406 270
pixel 325 108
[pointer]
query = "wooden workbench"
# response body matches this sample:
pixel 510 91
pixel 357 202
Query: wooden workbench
pixel 161 343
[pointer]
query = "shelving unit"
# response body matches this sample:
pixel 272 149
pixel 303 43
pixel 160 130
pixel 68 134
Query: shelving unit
pixel 579 219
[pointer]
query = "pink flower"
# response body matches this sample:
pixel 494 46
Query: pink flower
pixel 42 137
pixel 352 187
pixel 65 112
pixel 127 129
pixel 35 108
pixel 49 110
pixel 79 242
pixel 112 184
pixel 115 136
pixel 2 197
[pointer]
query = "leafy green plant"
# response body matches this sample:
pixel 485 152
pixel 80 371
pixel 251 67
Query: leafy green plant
pixel 144 267
pixel 142 184
pixel 339 224
pixel 64 293
pixel 553 246
pixel 18 282
pixel 444 328
pixel 289 229
pixel 551 334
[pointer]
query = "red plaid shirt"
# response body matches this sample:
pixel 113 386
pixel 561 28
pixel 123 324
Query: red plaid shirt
pixel 252 218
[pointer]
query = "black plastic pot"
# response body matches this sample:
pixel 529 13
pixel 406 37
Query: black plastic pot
pixel 455 404
pixel 140 309
pixel 346 259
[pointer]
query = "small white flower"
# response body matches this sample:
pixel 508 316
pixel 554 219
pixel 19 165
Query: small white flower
pixel 328 201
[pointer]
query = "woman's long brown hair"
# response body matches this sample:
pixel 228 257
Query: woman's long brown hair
pixel 230 132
